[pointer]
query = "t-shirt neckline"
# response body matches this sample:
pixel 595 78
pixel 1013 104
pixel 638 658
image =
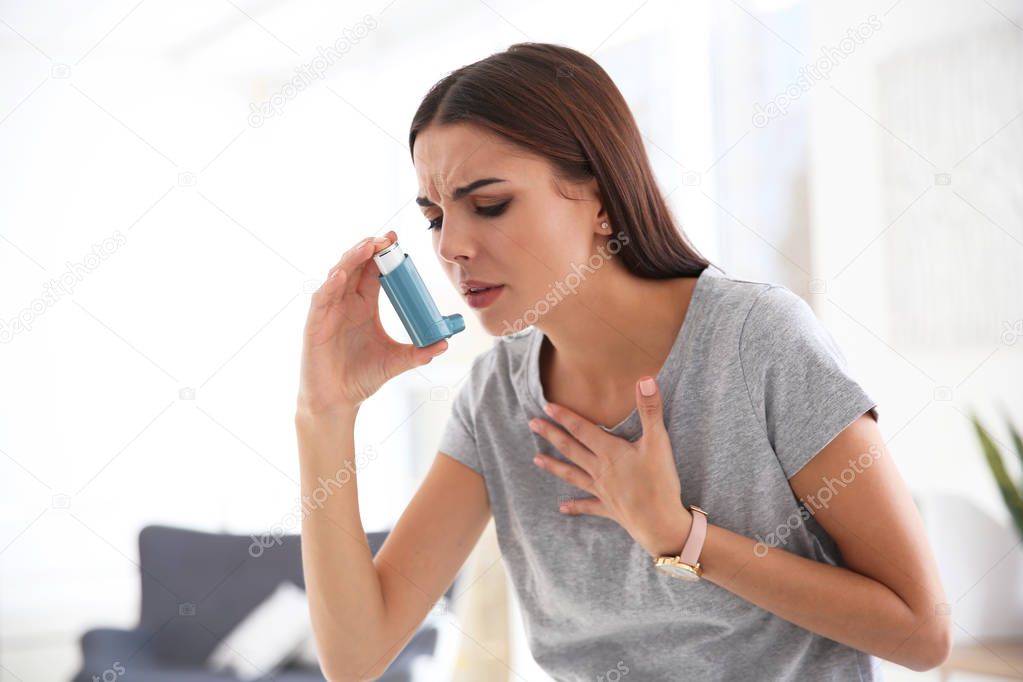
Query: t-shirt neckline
pixel 667 376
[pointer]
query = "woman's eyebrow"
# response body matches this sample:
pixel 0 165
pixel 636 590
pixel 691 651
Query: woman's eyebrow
pixel 462 191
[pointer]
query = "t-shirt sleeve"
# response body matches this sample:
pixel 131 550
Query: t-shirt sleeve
pixel 458 439
pixel 797 377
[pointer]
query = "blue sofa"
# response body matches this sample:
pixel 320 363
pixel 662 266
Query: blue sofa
pixel 196 587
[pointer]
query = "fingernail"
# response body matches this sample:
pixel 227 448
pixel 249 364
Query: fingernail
pixel 647 387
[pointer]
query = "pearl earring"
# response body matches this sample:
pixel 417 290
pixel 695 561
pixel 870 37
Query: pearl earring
pixel 605 225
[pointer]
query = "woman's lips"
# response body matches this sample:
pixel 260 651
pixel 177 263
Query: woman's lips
pixel 484 298
pixel 466 284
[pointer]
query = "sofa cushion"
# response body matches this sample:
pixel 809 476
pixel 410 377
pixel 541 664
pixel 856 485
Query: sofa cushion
pixel 266 638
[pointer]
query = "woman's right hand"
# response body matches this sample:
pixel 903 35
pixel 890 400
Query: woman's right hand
pixel 346 354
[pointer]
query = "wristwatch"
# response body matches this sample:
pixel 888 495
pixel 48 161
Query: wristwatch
pixel 686 566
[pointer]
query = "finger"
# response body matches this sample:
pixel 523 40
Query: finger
pixel 650 408
pixel 322 297
pixel 569 473
pixel 341 279
pixel 358 245
pixel 335 279
pixel 353 258
pixel 585 505
pixel 410 356
pixel 566 444
pixel 591 436
pixel 363 270
pixel 427 353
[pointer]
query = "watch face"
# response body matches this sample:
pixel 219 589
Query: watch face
pixel 681 572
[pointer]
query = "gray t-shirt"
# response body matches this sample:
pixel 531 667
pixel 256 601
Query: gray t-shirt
pixel 753 387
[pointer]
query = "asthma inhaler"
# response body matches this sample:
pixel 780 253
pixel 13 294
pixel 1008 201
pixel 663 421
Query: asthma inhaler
pixel 413 303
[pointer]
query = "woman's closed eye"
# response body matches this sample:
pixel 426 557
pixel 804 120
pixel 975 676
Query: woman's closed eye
pixel 489 211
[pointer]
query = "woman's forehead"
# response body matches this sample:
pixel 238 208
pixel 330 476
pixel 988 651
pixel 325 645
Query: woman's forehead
pixel 471 176
pixel 448 159
pixel 451 156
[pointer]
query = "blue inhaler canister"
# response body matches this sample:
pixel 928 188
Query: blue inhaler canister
pixel 413 303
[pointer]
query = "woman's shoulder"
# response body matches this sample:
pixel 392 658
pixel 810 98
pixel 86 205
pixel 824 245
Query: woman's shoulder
pixel 726 302
pixel 780 327
pixel 754 300
pixel 777 312
pixel 734 290
pixel 762 317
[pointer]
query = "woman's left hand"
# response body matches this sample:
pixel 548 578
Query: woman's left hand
pixel 635 484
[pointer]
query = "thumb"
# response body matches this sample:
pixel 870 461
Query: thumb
pixel 410 356
pixel 420 356
pixel 648 402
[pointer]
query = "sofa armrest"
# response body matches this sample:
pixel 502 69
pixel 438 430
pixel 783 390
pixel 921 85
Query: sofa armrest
pixel 104 649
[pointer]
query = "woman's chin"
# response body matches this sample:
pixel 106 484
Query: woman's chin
pixel 497 324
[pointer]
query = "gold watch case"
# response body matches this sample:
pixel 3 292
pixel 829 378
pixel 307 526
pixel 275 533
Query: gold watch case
pixel 675 567
pixel 671 565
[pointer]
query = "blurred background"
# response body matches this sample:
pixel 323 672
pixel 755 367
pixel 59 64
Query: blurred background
pixel 177 178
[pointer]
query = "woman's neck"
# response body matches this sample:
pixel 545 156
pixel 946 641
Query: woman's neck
pixel 611 332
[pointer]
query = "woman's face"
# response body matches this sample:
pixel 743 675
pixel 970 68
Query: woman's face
pixel 519 232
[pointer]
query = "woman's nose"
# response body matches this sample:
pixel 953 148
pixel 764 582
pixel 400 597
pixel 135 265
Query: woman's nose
pixel 456 243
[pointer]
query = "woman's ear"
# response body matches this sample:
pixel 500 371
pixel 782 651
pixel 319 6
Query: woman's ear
pixel 591 193
pixel 592 203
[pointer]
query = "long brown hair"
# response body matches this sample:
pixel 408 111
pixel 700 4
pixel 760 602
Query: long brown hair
pixel 560 104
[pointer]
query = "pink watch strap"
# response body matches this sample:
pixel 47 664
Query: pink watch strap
pixel 697 534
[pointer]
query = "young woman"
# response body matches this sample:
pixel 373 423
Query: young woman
pixel 731 509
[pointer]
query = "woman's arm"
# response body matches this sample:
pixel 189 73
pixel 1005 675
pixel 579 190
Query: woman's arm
pixel 888 600
pixel 366 608
pixel 346 604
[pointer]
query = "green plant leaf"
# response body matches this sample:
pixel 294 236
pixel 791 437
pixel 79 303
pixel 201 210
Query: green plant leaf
pixel 1010 493
pixel 1017 442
